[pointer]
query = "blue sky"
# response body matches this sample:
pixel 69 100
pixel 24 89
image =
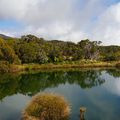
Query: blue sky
pixel 70 20
pixel 10 24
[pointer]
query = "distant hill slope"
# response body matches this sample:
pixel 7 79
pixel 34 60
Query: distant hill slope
pixel 4 36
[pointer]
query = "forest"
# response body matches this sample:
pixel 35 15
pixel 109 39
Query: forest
pixel 31 49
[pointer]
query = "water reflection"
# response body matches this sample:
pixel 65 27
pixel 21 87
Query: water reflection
pixel 32 83
pixel 114 72
pixel 97 90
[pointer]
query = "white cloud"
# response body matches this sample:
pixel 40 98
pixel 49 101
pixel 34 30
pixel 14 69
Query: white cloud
pixel 8 33
pixel 12 9
pixel 65 19
pixel 35 11
pixel 74 35
pixel 60 31
pixel 107 29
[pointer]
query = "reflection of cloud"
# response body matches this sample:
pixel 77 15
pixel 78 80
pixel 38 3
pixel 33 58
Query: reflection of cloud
pixel 116 87
pixel 12 106
pixel 112 84
pixel 16 101
pixel 95 99
pixel 102 104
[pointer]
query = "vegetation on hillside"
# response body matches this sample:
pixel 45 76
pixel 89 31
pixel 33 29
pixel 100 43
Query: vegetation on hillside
pixel 31 49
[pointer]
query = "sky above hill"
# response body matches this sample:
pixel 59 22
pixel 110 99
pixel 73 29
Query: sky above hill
pixel 71 20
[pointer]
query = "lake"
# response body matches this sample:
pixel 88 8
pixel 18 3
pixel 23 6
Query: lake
pixel 96 89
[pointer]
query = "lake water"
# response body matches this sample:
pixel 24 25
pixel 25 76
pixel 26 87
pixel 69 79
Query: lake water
pixel 98 90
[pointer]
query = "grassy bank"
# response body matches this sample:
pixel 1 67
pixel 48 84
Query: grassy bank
pixel 78 64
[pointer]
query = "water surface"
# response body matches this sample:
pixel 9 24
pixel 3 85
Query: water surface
pixel 98 90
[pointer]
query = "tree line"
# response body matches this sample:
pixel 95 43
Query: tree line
pixel 31 49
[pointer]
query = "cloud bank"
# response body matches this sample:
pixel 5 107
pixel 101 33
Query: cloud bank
pixel 71 20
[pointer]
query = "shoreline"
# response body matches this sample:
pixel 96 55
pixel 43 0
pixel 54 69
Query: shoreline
pixel 28 67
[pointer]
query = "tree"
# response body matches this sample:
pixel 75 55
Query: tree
pixel 54 54
pixel 41 56
pixel 31 52
pixel 90 49
pixel 29 38
pixel 7 53
pixel 110 53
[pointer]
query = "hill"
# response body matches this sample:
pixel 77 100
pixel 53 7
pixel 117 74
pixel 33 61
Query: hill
pixel 5 36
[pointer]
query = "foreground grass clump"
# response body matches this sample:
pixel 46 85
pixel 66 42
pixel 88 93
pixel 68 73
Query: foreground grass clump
pixel 47 106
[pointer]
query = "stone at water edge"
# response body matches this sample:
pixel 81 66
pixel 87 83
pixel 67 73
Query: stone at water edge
pixel 83 109
pixel 82 113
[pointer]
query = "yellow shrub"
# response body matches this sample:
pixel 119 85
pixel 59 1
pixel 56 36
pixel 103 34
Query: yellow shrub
pixel 47 106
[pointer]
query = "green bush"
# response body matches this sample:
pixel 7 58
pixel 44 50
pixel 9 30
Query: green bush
pixel 48 107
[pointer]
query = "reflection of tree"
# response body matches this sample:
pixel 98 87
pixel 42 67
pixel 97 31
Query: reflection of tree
pixel 9 85
pixel 32 83
pixel 86 79
pixel 114 72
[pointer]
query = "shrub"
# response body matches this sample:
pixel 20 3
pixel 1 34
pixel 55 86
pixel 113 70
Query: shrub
pixel 47 106
pixel 7 53
pixel 4 67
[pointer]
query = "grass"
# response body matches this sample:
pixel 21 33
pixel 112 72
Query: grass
pixel 13 68
pixel 47 106
pixel 72 64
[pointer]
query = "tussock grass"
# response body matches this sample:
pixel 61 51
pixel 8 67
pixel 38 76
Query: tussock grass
pixel 47 106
